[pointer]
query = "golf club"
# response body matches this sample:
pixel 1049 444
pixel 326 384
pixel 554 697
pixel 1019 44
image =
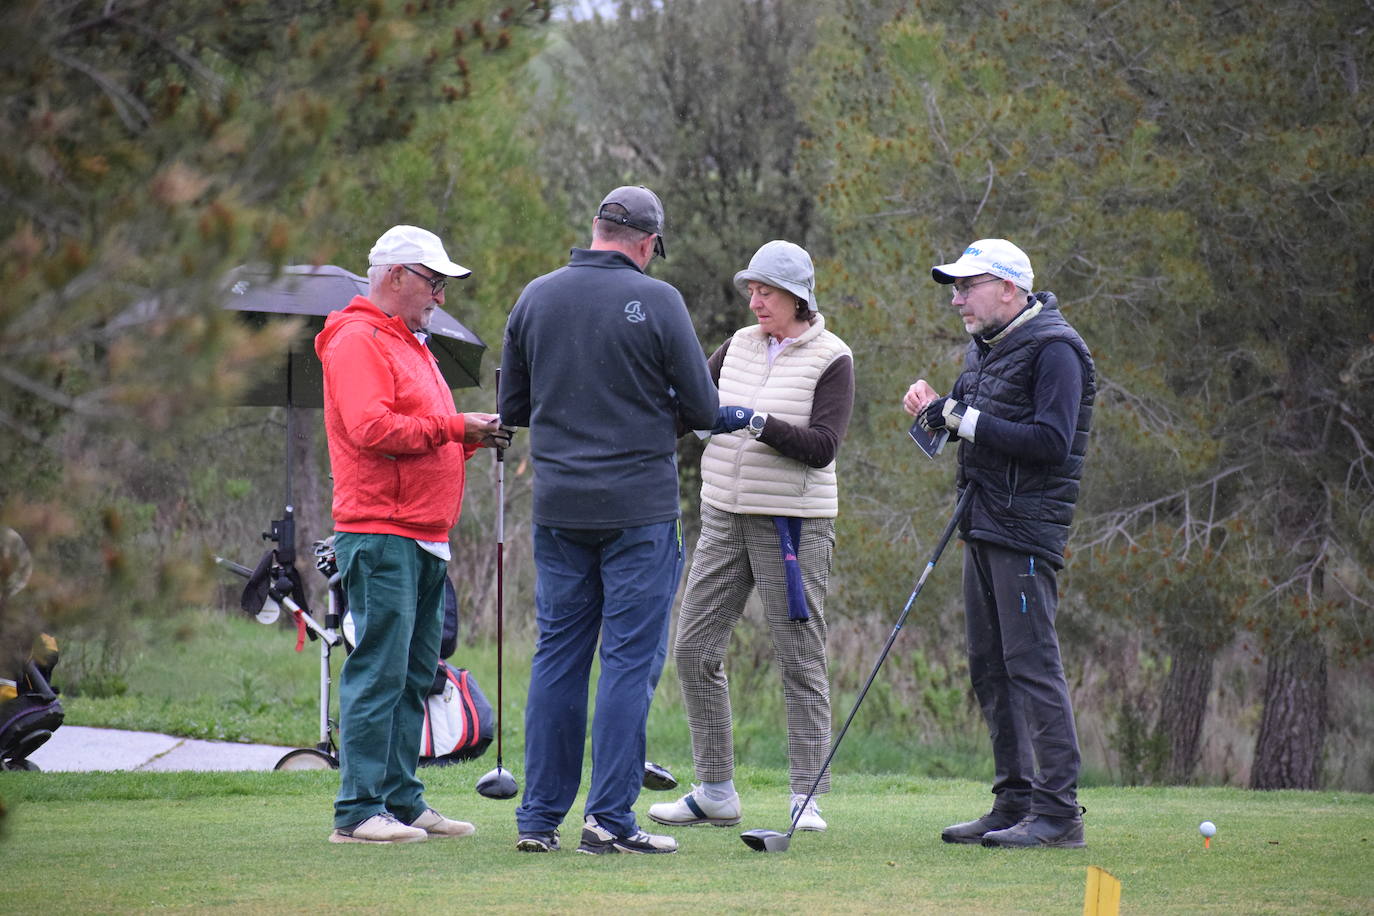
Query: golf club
pixel 770 840
pixel 499 783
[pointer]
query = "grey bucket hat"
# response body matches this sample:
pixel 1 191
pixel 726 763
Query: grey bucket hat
pixel 784 265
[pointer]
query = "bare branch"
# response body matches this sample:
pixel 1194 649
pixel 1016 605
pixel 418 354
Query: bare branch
pixel 47 393
pixel 124 102
pixel 1108 526
pixel 22 429
pixel 987 192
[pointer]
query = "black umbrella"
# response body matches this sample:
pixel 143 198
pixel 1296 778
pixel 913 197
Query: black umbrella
pixel 314 292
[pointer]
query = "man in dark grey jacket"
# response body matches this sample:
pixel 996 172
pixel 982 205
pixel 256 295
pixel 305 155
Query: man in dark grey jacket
pixel 1021 409
pixel 601 362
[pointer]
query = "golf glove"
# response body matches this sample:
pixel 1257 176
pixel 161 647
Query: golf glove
pixel 729 419
pixel 943 413
pixel 499 439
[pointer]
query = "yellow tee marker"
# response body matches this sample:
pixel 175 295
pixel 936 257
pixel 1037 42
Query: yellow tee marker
pixel 1102 896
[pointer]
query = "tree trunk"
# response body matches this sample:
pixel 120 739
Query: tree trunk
pixel 1292 733
pixel 1182 709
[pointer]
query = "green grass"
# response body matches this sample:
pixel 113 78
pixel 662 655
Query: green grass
pixel 255 842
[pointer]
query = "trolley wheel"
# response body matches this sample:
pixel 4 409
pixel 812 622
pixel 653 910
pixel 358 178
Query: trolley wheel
pixel 307 758
pixel 21 765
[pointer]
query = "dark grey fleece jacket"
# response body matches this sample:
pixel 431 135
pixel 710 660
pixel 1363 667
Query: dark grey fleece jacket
pixel 600 361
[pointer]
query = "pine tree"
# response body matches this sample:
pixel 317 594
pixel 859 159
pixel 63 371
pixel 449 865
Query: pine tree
pixel 149 148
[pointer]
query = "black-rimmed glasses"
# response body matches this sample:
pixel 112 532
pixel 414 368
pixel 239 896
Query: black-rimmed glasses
pixel 436 284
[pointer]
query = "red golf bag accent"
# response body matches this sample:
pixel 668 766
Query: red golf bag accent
pixel 459 721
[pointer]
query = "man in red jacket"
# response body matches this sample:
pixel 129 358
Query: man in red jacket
pixel 397 446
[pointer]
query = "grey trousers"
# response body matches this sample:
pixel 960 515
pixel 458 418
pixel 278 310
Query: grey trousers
pixel 736 554
pixel 1010 600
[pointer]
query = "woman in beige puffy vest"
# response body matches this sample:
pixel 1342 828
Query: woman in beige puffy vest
pixel 768 507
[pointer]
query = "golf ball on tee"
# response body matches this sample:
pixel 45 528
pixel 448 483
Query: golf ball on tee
pixel 1207 829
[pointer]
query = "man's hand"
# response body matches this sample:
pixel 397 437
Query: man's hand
pixel 499 439
pixel 729 419
pixel 918 397
pixel 478 427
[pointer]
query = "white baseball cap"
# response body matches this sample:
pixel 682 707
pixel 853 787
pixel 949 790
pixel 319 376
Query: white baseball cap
pixel 989 256
pixel 413 245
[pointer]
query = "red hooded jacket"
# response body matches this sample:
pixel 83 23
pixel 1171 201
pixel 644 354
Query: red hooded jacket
pixel 395 436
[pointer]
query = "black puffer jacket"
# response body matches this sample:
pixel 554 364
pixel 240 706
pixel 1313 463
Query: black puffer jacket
pixel 1022 505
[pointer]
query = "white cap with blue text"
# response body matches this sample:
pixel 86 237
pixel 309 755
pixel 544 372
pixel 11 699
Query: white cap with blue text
pixel 989 256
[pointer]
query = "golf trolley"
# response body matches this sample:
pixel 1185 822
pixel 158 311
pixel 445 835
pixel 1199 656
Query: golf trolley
pixel 458 718
pixel 278 585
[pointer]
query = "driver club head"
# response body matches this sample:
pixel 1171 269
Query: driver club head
pixel 766 840
pixel 498 783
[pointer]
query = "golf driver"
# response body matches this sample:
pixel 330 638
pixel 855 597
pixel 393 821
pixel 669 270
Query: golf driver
pixel 499 783
pixel 772 841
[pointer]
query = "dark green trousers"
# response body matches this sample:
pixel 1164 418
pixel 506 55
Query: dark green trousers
pixel 395 592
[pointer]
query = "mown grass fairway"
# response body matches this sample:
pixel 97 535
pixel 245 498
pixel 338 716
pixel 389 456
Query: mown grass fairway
pixel 255 842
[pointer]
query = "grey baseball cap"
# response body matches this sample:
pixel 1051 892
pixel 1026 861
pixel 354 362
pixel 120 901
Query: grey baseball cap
pixel 785 265
pixel 643 211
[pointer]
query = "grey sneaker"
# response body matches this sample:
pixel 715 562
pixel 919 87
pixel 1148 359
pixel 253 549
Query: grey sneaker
pixel 597 840
pixel 1039 830
pixel 696 808
pixel 537 841
pixel 379 828
pixel 972 831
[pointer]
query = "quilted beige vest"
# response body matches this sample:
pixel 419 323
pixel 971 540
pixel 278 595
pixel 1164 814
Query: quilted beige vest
pixel 741 474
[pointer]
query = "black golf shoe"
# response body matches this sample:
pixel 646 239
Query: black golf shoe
pixel 973 831
pixel 657 778
pixel 1039 830
pixel 597 840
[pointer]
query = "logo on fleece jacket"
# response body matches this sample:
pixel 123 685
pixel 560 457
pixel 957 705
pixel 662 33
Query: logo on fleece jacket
pixel 632 312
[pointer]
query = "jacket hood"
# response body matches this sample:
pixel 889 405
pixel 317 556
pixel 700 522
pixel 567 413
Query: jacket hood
pixel 360 311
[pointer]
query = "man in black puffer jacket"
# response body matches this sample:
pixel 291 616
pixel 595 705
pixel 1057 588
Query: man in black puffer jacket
pixel 1021 409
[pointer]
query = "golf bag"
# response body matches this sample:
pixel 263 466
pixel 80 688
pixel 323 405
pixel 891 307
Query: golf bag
pixel 29 708
pixel 459 721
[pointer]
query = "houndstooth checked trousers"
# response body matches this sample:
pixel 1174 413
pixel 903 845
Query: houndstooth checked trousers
pixel 735 554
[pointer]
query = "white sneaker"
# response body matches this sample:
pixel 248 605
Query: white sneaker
pixel 696 808
pixel 811 815
pixel 379 828
pixel 436 825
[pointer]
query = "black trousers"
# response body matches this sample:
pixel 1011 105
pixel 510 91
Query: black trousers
pixel 1010 599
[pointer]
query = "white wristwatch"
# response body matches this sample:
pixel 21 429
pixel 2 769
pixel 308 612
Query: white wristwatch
pixel 756 423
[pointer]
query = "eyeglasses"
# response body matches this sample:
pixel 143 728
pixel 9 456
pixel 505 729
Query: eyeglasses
pixel 436 284
pixel 958 290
